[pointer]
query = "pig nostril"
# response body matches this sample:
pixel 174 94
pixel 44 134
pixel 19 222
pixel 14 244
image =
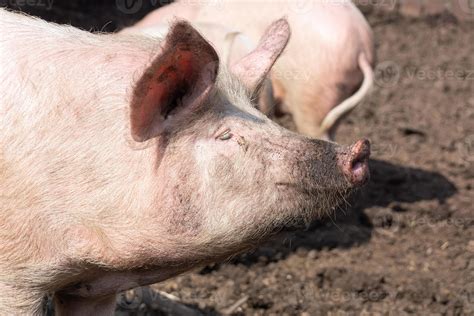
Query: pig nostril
pixel 361 151
pixel 355 166
pixel 360 159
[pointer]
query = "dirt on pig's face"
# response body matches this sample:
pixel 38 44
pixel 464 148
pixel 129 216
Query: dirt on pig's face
pixel 233 176
pixel 226 176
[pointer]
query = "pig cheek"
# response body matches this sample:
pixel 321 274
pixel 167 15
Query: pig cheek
pixel 214 158
pixel 180 199
pixel 226 169
pixel 210 178
pixel 222 170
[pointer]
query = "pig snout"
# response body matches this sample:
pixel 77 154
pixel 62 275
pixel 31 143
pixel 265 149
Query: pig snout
pixel 354 162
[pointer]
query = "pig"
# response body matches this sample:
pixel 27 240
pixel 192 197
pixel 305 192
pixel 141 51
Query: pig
pixel 126 160
pixel 327 68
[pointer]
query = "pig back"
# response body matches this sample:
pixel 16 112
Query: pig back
pixel 64 140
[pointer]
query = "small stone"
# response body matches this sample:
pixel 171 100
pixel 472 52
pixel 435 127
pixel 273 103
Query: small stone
pixel 444 296
pixel 129 296
pixel 470 101
pixel 312 254
pixel 470 246
pixel 263 259
pixel 301 252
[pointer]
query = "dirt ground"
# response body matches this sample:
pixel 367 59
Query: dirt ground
pixel 405 245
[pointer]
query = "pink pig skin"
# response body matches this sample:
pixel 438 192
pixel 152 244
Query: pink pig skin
pixel 126 160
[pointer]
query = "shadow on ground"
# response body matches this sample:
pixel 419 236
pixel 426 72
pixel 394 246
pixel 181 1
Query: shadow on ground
pixel 392 188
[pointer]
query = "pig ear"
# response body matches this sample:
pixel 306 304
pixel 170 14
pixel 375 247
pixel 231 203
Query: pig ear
pixel 176 84
pixel 253 68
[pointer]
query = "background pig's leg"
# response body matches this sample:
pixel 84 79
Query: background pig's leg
pixel 306 115
pixel 73 305
pixel 266 99
pixel 271 98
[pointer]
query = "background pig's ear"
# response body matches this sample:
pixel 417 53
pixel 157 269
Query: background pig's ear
pixel 253 68
pixel 177 82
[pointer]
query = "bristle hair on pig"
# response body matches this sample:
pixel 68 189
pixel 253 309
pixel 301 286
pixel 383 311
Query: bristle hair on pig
pixel 87 211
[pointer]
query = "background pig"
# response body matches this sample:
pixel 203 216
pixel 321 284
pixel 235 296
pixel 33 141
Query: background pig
pixel 126 160
pixel 327 68
pixel 230 44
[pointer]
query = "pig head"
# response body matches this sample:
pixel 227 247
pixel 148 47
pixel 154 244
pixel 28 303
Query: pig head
pixel 125 161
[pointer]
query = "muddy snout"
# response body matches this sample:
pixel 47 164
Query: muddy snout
pixel 354 162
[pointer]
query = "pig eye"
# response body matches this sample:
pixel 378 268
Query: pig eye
pixel 225 136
